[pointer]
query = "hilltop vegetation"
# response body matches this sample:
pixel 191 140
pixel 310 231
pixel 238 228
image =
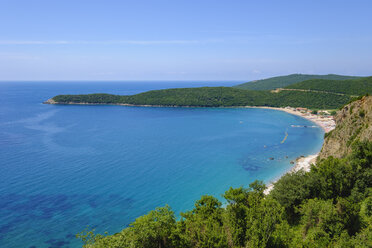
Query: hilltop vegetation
pixel 283 81
pixel 214 97
pixel 354 87
pixel 313 94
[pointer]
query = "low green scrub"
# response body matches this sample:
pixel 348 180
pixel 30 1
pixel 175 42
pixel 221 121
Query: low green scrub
pixel 353 136
pixel 328 134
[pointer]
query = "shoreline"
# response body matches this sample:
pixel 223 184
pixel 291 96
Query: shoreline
pixel 326 123
pixel 304 163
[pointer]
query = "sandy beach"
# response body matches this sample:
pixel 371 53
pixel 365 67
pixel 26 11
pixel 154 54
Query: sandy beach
pixel 304 163
pixel 327 123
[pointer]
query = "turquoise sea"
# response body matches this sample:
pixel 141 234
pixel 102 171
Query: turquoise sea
pixel 63 168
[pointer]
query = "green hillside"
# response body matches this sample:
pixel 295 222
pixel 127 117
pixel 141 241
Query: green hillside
pixel 213 97
pixel 313 94
pixel 356 87
pixel 283 81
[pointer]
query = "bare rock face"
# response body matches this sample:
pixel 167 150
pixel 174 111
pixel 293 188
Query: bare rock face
pixel 50 101
pixel 352 124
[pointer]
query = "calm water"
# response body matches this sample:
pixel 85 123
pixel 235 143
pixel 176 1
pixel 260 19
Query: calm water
pixel 65 167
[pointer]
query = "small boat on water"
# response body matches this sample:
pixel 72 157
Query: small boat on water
pixel 304 126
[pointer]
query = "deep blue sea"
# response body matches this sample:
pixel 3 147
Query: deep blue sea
pixel 63 168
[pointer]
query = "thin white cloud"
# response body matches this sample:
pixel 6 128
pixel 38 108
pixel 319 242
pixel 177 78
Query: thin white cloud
pixel 18 56
pixel 32 42
pixel 105 42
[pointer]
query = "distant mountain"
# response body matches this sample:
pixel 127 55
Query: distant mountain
pixel 213 97
pixel 283 81
pixel 354 87
pixel 313 94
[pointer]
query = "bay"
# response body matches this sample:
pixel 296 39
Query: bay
pixel 66 167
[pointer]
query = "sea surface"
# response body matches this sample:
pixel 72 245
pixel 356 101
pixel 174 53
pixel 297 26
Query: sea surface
pixel 66 167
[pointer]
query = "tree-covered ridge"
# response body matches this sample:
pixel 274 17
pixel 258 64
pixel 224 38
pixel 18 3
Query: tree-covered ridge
pixel 354 87
pixel 330 206
pixel 283 81
pixel 89 98
pixel 313 94
pixel 214 97
pixel 204 97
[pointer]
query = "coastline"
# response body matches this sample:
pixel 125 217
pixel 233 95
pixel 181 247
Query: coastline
pixel 303 163
pixel 327 123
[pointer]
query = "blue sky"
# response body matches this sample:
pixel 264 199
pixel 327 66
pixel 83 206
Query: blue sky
pixel 183 40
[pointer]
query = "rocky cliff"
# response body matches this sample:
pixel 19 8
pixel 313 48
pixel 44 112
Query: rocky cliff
pixel 352 124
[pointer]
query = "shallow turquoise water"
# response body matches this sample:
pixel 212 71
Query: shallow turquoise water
pixel 65 167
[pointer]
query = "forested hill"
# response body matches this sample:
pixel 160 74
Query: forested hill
pixel 212 97
pixel 329 206
pixel 283 81
pixel 312 94
pixel 355 87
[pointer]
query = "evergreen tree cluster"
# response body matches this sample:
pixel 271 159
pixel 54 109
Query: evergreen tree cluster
pixel 354 87
pixel 283 81
pixel 214 97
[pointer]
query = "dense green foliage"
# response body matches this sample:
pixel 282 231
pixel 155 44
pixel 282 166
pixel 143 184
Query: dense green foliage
pixel 330 206
pixel 214 97
pixel 283 81
pixel 99 98
pixel 354 87
pixel 313 94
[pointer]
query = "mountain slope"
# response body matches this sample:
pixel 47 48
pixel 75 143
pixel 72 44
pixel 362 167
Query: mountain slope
pixel 283 81
pixel 352 124
pixel 355 87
